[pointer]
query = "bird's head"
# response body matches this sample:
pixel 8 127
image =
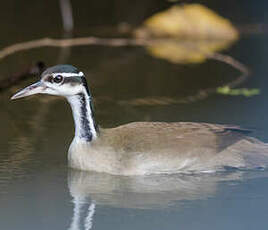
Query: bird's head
pixel 61 80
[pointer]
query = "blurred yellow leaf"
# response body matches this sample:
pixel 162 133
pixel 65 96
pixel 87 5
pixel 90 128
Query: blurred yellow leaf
pixel 186 51
pixel 193 21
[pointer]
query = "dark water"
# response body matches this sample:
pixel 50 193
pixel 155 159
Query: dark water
pixel 38 191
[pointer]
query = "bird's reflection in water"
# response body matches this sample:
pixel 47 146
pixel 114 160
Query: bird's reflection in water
pixel 79 204
pixel 90 189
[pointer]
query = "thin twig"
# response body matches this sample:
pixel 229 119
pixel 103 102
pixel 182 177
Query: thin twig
pixel 201 94
pixel 67 15
pixel 118 42
pixel 50 42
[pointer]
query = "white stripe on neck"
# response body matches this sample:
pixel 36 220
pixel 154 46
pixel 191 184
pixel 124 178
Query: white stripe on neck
pixel 80 74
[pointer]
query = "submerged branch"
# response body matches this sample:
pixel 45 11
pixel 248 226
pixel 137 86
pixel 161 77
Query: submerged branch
pixel 201 94
pixel 50 42
pixel 245 72
pixel 119 42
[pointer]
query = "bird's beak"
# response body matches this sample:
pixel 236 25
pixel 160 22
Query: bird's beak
pixel 35 88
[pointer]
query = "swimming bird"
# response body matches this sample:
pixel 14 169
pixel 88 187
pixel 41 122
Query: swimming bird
pixel 141 148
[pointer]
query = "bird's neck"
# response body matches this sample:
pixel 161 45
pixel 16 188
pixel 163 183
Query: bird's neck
pixel 83 113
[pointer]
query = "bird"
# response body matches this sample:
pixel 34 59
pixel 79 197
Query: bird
pixel 143 148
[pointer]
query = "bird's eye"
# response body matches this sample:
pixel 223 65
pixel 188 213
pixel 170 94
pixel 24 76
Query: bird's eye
pixel 58 79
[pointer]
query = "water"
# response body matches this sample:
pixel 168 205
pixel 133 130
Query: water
pixel 38 191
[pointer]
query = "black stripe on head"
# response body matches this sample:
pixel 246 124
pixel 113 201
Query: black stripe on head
pixel 84 82
pixel 72 80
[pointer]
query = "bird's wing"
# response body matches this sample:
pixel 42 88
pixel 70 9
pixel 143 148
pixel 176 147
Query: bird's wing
pixel 180 136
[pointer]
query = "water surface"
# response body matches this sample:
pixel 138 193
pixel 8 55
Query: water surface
pixel 38 191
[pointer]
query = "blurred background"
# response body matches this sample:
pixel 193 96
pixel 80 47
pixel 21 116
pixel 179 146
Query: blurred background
pixel 177 78
pixel 153 60
pixel 22 21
